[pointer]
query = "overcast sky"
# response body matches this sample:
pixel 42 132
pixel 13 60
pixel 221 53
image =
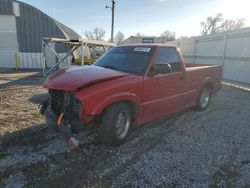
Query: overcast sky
pixel 149 17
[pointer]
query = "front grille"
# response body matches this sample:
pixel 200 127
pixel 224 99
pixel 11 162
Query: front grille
pixel 57 100
pixel 64 102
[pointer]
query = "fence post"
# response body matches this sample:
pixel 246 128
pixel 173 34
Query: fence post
pixel 43 58
pixel 224 53
pixel 194 53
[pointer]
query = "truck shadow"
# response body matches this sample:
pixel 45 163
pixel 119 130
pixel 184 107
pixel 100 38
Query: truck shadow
pixel 31 136
pixel 39 98
pixel 21 79
pixel 35 135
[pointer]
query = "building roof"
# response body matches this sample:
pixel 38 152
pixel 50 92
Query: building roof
pixel 32 25
pixel 142 39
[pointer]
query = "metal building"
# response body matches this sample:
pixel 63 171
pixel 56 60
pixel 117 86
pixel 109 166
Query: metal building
pixel 22 28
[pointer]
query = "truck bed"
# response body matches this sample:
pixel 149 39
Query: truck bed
pixel 197 72
pixel 195 66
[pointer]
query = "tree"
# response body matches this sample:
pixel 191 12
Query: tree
pixel 88 35
pixel 233 24
pixel 96 34
pixel 168 35
pixel 211 24
pixel 183 38
pixel 139 34
pixel 218 24
pixel 119 37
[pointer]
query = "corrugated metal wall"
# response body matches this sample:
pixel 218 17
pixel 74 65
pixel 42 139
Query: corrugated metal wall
pixel 231 50
pixel 33 25
pixel 8 40
pixel 6 7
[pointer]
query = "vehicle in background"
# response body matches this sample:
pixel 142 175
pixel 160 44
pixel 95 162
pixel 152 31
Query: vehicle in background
pixel 91 54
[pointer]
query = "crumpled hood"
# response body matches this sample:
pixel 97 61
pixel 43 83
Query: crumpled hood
pixel 71 78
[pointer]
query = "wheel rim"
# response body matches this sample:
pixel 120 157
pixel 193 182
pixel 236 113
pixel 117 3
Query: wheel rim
pixel 122 125
pixel 204 99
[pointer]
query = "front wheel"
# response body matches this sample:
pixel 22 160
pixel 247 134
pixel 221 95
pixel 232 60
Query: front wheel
pixel 115 124
pixel 204 99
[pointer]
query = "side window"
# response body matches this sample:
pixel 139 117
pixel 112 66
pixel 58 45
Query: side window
pixel 170 56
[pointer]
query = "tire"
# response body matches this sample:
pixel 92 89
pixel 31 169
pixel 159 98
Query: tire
pixel 204 99
pixel 115 124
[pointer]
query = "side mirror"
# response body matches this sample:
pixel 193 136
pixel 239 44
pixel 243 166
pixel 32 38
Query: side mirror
pixel 162 68
pixel 153 71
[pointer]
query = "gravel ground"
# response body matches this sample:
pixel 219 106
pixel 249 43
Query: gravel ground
pixel 19 110
pixel 189 149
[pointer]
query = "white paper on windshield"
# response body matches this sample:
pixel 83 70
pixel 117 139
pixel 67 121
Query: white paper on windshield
pixel 142 49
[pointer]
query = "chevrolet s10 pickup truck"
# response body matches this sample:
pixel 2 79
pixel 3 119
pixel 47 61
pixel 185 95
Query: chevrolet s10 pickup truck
pixel 130 84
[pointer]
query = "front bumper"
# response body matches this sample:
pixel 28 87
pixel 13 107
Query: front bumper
pixel 51 118
pixel 64 126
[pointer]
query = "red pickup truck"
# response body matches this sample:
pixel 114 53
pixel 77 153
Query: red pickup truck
pixel 130 84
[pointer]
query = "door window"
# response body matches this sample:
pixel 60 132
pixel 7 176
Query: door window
pixel 169 55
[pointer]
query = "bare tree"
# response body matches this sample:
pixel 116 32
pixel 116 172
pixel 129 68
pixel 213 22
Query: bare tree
pixel 168 35
pixel 183 38
pixel 119 37
pixel 233 24
pixel 218 24
pixel 139 34
pixel 211 24
pixel 96 34
pixel 99 33
pixel 88 35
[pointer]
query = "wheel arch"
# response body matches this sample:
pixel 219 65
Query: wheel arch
pixel 131 99
pixel 207 82
pixel 210 85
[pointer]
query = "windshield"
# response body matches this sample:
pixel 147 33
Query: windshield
pixel 130 59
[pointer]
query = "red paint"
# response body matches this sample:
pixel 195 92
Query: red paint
pixel 153 96
pixel 70 79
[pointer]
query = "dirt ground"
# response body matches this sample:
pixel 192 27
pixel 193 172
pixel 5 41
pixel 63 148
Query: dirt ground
pixel 189 149
pixel 17 110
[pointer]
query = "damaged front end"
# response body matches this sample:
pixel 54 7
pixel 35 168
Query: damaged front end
pixel 62 113
pixel 65 102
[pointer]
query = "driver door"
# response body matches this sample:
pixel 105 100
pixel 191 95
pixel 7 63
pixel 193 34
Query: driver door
pixel 164 93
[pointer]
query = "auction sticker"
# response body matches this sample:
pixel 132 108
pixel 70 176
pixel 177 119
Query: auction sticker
pixel 142 49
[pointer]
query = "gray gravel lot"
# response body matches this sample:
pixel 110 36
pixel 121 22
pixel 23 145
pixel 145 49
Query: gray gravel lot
pixel 189 149
pixel 206 149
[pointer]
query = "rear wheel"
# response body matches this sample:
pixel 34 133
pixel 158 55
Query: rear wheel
pixel 204 99
pixel 115 125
